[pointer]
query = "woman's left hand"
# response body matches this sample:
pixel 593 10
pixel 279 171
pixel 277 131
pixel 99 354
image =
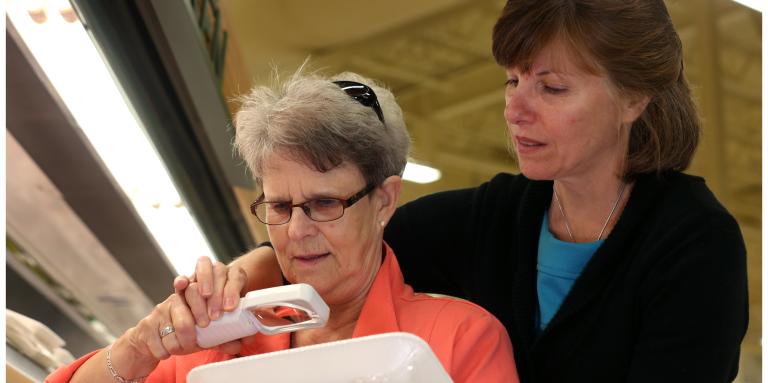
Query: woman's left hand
pixel 214 288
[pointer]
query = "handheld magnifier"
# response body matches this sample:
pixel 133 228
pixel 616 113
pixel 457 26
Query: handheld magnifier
pixel 269 311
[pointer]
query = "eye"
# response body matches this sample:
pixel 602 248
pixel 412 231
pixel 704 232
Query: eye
pixel 512 82
pixel 280 207
pixel 554 89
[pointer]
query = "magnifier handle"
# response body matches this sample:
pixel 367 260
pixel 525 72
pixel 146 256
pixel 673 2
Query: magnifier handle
pixel 232 325
pixel 242 322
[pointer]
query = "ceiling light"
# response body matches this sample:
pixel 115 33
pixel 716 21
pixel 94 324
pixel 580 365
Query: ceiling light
pixel 420 174
pixel 78 73
pixel 757 5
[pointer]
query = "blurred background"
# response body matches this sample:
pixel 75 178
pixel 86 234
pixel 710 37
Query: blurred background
pixel 120 170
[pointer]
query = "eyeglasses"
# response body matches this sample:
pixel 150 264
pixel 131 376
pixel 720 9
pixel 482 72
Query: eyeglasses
pixel 363 94
pixel 319 210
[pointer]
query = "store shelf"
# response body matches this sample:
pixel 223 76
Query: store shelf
pixel 19 369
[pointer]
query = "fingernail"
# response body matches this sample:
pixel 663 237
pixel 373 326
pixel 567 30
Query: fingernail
pixel 206 290
pixel 215 315
pixel 229 303
pixel 202 322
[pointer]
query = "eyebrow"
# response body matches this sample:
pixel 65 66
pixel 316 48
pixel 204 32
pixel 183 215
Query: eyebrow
pixel 312 196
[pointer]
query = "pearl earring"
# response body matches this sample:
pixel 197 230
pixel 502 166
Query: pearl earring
pixel 383 223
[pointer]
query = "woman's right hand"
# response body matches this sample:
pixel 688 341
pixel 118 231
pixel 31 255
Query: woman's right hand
pixel 168 330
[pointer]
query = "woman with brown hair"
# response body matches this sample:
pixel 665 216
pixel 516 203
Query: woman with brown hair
pixel 604 261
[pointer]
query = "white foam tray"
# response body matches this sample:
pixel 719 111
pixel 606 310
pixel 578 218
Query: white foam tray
pixel 392 358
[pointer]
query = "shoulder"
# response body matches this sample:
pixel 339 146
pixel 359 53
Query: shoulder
pixel 503 185
pixel 685 234
pixel 472 344
pixel 687 201
pixel 449 316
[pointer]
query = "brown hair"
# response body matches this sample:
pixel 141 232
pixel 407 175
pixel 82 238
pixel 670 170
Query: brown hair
pixel 635 44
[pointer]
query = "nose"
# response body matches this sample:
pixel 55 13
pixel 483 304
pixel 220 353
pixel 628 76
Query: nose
pixel 300 225
pixel 517 109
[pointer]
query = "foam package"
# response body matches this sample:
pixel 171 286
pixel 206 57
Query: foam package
pixel 392 357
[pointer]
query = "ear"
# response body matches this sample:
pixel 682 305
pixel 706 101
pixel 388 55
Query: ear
pixel 633 107
pixel 387 195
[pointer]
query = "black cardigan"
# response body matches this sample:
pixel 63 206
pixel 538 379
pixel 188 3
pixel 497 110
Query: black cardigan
pixel 663 299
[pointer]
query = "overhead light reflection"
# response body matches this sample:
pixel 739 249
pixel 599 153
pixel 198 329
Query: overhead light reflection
pixel 420 174
pixel 74 67
pixel 757 5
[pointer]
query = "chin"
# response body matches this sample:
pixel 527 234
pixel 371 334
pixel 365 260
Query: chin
pixel 536 173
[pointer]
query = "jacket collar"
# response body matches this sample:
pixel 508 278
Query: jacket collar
pixel 534 202
pixel 378 313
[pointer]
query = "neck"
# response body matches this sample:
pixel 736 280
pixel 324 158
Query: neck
pixel 587 203
pixel 344 314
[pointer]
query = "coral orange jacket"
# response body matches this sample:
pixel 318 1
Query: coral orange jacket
pixel 471 344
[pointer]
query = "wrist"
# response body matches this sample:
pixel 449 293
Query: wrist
pixel 128 360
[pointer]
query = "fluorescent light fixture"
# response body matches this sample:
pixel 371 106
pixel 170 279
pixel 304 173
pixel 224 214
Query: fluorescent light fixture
pixel 757 5
pixel 420 174
pixel 77 71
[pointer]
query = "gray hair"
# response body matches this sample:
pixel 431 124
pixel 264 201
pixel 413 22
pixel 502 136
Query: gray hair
pixel 313 119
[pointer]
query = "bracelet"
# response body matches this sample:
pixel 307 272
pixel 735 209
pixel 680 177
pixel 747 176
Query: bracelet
pixel 114 373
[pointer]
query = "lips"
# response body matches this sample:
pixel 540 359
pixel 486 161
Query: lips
pixel 527 142
pixel 310 259
pixel 527 146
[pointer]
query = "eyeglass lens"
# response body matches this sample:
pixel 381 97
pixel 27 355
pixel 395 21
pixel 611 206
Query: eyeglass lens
pixel 326 209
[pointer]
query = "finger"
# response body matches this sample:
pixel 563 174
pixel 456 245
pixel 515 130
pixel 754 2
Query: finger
pixel 170 343
pixel 184 326
pixel 204 274
pixel 219 281
pixel 236 279
pixel 180 284
pixel 230 348
pixel 197 305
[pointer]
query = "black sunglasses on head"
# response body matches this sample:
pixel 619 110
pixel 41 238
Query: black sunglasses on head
pixel 363 94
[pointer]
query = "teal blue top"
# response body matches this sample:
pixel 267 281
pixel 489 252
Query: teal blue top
pixel 559 264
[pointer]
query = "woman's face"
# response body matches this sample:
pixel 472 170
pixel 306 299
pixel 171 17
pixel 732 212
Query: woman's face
pixel 338 258
pixel 564 121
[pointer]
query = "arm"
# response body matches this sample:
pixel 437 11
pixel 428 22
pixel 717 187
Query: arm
pixel 431 236
pixel 261 267
pixel 141 351
pixel 694 310
pixel 419 231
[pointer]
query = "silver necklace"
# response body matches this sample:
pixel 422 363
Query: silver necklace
pixel 565 217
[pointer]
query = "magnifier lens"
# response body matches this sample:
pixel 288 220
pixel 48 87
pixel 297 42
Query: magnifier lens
pixel 275 316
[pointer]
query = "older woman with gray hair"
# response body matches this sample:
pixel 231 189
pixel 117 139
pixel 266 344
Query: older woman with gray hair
pixel 335 149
